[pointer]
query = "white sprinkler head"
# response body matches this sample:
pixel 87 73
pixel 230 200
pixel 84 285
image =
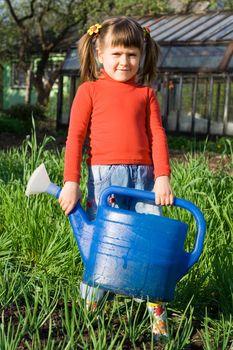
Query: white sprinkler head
pixel 38 182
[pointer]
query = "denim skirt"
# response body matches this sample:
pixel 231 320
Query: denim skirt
pixel 133 176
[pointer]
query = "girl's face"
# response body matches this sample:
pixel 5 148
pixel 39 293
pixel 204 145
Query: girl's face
pixel 119 62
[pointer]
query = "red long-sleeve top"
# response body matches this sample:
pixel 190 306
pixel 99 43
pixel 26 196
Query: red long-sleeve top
pixel 123 124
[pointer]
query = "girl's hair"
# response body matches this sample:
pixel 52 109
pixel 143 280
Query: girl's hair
pixel 126 32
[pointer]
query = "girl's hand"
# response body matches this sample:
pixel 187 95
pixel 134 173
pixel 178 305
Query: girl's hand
pixel 70 194
pixel 163 191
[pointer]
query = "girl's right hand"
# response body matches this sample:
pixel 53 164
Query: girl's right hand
pixel 69 196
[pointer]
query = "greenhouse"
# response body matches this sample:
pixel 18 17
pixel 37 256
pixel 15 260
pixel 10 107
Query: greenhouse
pixel 195 77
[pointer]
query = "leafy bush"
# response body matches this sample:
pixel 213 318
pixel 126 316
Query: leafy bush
pixel 26 111
pixel 11 125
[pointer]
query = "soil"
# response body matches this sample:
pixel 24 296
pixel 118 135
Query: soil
pixel 8 140
pixel 58 336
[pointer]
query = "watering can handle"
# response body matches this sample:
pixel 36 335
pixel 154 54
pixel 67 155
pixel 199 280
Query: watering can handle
pixel 178 202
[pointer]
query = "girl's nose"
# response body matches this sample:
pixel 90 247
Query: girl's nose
pixel 123 60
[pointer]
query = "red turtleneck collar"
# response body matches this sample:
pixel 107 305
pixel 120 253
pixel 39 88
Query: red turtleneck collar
pixel 104 76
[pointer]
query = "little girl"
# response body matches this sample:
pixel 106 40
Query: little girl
pixel 117 110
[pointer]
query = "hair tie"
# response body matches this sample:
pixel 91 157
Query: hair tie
pixel 94 29
pixel 146 31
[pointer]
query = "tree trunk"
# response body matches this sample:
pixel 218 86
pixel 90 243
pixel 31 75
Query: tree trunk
pixel 42 91
pixel 43 97
pixel 44 85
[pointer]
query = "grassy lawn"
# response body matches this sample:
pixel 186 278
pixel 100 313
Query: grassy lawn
pixel 41 267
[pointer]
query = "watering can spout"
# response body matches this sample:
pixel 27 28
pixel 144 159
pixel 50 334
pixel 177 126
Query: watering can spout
pixel 82 227
pixel 38 182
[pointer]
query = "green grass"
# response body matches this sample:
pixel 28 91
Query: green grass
pixel 41 267
pixel 217 144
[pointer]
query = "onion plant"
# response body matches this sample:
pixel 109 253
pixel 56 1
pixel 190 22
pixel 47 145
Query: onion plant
pixel 41 268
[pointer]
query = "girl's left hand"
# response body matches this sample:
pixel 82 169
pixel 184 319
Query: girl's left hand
pixel 163 191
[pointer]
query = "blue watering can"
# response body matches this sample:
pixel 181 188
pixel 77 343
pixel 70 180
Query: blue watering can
pixel 125 252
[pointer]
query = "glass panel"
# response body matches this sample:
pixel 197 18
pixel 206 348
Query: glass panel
pixel 177 108
pixel 180 118
pixel 18 76
pixel 71 61
pixel 193 26
pixel 201 112
pixel 228 37
pixel 67 98
pixel 189 27
pixel 163 24
pixel 218 102
pixel 226 31
pixel 215 28
pixel 164 51
pixel 194 57
pixel 145 22
pixel 186 105
pixel 183 26
pixel 174 114
pixel 218 99
pixel 210 21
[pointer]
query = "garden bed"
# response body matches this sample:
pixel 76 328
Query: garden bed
pixel 41 267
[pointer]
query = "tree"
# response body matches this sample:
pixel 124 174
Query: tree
pixel 141 8
pixel 199 6
pixel 32 31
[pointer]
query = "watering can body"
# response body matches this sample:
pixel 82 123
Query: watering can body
pixel 139 255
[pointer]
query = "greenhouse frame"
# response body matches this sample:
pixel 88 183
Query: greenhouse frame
pixel 195 74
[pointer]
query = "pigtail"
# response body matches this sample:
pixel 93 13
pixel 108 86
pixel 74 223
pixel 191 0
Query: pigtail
pixel 148 69
pixel 88 64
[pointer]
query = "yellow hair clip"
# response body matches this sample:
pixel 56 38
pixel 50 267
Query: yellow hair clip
pixel 146 30
pixel 94 29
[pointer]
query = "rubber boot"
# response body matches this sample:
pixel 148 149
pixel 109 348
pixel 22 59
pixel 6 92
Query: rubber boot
pixel 158 315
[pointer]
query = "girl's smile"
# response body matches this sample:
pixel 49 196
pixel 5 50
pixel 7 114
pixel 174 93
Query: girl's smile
pixel 119 62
